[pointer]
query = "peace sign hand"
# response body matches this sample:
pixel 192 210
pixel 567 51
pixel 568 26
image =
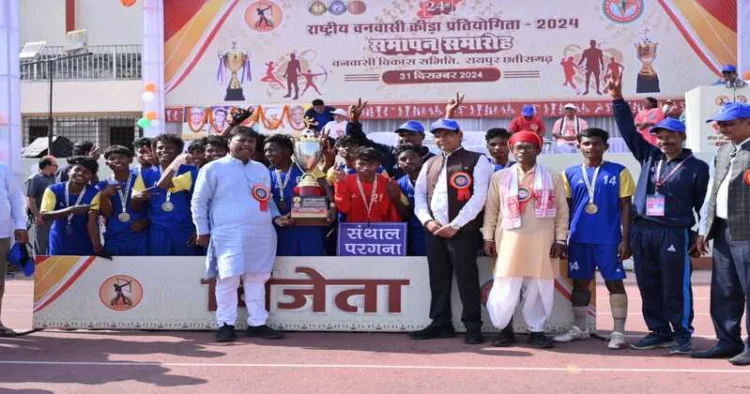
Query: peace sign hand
pixel 452 106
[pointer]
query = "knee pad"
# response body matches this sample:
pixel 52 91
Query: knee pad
pixel 581 297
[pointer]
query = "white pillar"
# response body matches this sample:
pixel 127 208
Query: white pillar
pixel 10 89
pixel 743 37
pixel 152 59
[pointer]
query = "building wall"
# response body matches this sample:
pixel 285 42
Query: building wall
pixel 107 21
pixel 111 97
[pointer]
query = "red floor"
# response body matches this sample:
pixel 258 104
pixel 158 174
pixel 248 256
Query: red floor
pixel 144 362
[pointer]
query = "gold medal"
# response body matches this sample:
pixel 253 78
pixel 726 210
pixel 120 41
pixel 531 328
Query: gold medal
pixel 124 217
pixel 591 208
pixel 167 206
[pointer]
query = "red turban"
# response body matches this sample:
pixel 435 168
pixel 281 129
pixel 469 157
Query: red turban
pixel 526 136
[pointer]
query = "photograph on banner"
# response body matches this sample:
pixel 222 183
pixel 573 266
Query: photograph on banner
pixel 405 56
pixel 195 123
pixel 372 239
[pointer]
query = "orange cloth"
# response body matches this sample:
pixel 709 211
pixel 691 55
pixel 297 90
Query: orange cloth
pixel 349 201
pixel 654 116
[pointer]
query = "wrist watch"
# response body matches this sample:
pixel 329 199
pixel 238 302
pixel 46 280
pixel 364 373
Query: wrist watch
pixel 455 226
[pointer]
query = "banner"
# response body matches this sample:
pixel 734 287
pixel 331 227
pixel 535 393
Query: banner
pixel 303 294
pixel 407 57
pixel 371 239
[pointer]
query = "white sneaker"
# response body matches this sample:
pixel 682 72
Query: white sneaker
pixel 574 333
pixel 617 341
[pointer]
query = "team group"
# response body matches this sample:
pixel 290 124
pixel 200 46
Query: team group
pixel 457 202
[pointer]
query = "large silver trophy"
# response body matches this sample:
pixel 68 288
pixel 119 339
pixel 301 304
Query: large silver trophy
pixel 310 204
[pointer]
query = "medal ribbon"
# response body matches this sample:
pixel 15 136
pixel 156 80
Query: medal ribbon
pixel 659 182
pixel 124 194
pixel 590 185
pixel 371 203
pixel 67 199
pixel 281 186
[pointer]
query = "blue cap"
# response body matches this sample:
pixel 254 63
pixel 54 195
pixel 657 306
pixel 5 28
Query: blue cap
pixel 729 68
pixel 670 124
pixel 411 126
pixel 444 124
pixel 528 110
pixel 731 111
pixel 19 256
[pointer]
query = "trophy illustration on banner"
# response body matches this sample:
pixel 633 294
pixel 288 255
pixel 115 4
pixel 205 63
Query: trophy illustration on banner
pixel 648 79
pixel 234 64
pixel 309 204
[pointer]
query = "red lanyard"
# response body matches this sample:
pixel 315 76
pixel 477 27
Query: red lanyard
pixel 659 182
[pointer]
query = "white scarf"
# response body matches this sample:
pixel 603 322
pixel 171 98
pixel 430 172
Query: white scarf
pixel 564 126
pixel 543 196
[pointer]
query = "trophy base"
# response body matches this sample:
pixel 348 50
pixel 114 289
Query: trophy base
pixel 647 83
pixel 310 211
pixel 234 95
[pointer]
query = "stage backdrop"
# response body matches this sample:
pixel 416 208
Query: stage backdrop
pixel 408 56
pixel 304 294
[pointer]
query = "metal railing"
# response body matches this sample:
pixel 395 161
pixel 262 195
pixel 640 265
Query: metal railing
pixel 105 62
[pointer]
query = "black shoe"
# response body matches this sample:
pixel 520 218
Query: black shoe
pixel 226 333
pixel 717 352
pixel 505 338
pixel 264 332
pixel 539 340
pixel 742 359
pixel 434 330
pixel 473 337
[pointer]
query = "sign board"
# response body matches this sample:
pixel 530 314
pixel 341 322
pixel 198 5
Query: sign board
pixel 304 294
pixel 407 57
pixel 701 104
pixel 371 239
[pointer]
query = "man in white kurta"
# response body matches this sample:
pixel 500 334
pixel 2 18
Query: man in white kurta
pixel 233 215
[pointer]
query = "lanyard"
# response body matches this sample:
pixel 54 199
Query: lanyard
pixel 67 199
pixel 659 182
pixel 282 185
pixel 371 203
pixel 124 194
pixel 590 185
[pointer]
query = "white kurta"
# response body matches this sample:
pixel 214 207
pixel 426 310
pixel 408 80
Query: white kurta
pixel 243 239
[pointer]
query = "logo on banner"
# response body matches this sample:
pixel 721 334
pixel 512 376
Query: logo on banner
pixel 623 11
pixel 121 293
pixel 263 16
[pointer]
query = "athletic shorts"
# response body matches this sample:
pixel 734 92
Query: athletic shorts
pixel 584 258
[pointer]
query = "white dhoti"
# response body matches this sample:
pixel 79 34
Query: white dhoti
pixel 538 297
pixel 254 285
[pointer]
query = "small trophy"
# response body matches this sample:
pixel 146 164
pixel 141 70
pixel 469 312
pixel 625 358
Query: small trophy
pixel 237 63
pixel 310 204
pixel 648 79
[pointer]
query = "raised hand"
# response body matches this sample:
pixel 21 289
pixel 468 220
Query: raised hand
pixel 452 106
pixel 240 115
pixel 355 110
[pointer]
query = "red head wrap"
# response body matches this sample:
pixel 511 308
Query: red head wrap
pixel 526 136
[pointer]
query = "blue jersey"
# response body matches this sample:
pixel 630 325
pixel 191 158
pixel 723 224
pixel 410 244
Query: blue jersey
pixel 116 229
pixel 416 234
pixel 613 183
pixel 288 190
pixel 179 218
pixel 69 238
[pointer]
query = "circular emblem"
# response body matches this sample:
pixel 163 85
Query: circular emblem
pixel 296 199
pixel 357 7
pixel 623 11
pixel 721 99
pixel 318 8
pixel 121 293
pixel 263 16
pixel 484 291
pixel 741 99
pixel 534 127
pixel 260 193
pixel 523 194
pixel 460 180
pixel 337 7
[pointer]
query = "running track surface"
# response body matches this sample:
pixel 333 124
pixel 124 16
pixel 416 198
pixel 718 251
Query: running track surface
pixel 146 362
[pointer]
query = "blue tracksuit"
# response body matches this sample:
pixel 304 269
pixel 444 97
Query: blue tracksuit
pixel 119 238
pixel 416 236
pixel 660 243
pixel 296 240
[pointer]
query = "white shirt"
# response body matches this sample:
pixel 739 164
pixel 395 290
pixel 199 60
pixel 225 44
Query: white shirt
pixel 12 204
pixel 336 129
pixel 439 203
pixel 243 238
pixel 722 195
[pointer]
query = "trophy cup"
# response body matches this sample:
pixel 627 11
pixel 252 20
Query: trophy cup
pixel 648 79
pixel 310 204
pixel 237 63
